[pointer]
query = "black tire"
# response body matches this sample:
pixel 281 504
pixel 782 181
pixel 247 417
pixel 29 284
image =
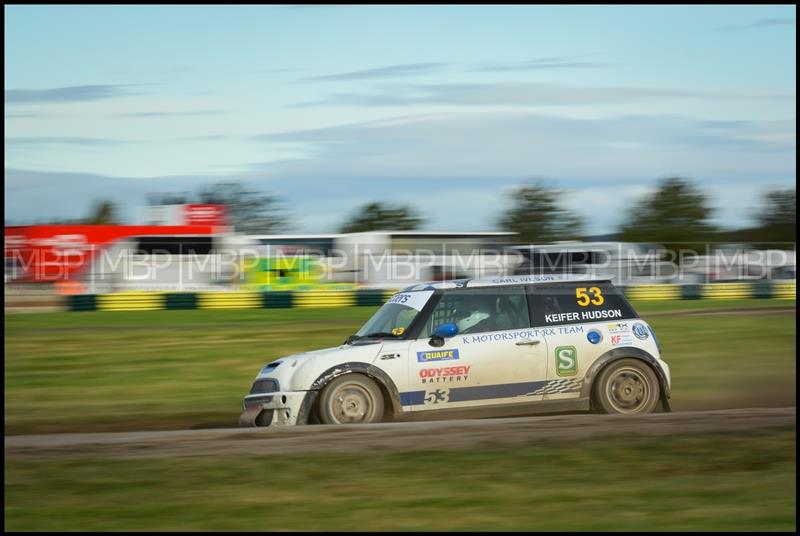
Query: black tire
pixel 626 386
pixel 351 399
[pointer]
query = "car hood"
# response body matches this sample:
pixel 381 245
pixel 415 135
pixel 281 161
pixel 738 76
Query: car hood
pixel 345 352
pixel 297 371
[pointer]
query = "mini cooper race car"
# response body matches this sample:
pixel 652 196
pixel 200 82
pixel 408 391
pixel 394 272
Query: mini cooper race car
pixel 515 345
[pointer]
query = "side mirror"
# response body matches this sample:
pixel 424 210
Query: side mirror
pixel 446 330
pixel 436 340
pixel 442 332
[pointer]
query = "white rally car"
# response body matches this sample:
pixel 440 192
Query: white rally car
pixel 473 348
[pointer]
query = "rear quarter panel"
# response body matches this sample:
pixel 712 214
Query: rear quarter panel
pixel 573 349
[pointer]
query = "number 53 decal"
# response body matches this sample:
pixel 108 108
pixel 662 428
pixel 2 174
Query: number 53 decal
pixel 584 299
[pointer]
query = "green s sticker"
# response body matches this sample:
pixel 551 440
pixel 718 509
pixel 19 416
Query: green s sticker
pixel 566 361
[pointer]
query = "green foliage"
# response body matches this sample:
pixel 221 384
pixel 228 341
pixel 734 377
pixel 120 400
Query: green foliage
pixel 776 223
pixel 780 209
pixel 104 213
pixel 247 210
pixel 777 217
pixel 382 217
pixel 538 217
pixel 676 215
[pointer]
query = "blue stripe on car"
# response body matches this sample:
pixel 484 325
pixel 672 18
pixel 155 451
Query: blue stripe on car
pixel 483 392
pixel 412 398
pixel 487 392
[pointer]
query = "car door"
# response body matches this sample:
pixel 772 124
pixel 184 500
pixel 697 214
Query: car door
pixel 495 357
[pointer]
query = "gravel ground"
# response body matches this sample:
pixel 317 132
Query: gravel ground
pixel 435 435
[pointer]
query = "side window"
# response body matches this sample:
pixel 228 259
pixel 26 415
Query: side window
pixel 479 311
pixel 583 301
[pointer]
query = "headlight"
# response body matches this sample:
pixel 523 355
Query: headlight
pixel 266 385
pixel 653 333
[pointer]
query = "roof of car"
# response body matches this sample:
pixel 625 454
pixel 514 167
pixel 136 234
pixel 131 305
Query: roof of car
pixel 499 281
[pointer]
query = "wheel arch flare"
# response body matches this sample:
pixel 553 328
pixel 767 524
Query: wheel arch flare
pixel 383 380
pixel 627 352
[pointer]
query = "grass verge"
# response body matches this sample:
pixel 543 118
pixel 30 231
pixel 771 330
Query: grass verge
pixel 714 482
pixel 120 371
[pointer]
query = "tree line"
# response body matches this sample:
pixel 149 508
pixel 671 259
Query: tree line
pixel 676 213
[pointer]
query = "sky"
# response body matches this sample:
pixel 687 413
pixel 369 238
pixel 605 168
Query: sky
pixel 448 109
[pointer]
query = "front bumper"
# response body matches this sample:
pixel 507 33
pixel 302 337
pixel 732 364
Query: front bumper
pixel 273 409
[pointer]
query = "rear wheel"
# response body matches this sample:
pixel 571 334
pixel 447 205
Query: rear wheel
pixel 627 386
pixel 351 399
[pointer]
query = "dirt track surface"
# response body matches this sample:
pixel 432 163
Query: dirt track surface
pixel 432 435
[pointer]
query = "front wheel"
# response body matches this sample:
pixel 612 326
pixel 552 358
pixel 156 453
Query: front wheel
pixel 626 386
pixel 351 399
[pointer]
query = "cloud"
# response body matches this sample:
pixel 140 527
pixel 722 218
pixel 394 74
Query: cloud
pixel 391 71
pixel 279 71
pixel 189 113
pixel 169 71
pixel 517 145
pixel 763 23
pixel 33 196
pixel 414 69
pixel 517 94
pixel 65 94
pixel 48 141
pixel 23 115
pixel 209 137
pixel 561 62
pixel 61 140
pixel 457 168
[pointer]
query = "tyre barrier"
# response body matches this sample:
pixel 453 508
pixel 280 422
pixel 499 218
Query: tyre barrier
pixel 149 301
pixel 728 291
pixel 324 298
pixel 784 290
pixel 653 292
pixel 130 301
pixel 229 300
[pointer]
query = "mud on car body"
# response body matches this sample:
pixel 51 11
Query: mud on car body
pixel 473 348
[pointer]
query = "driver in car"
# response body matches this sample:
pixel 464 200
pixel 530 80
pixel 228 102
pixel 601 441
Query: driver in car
pixel 473 314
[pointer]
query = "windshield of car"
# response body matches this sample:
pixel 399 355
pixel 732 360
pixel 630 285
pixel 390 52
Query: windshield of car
pixel 396 315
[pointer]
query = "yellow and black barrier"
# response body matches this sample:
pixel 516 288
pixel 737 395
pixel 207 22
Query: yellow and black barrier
pixel 653 292
pixel 230 300
pixel 131 301
pixel 149 301
pixel 784 290
pixel 716 291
